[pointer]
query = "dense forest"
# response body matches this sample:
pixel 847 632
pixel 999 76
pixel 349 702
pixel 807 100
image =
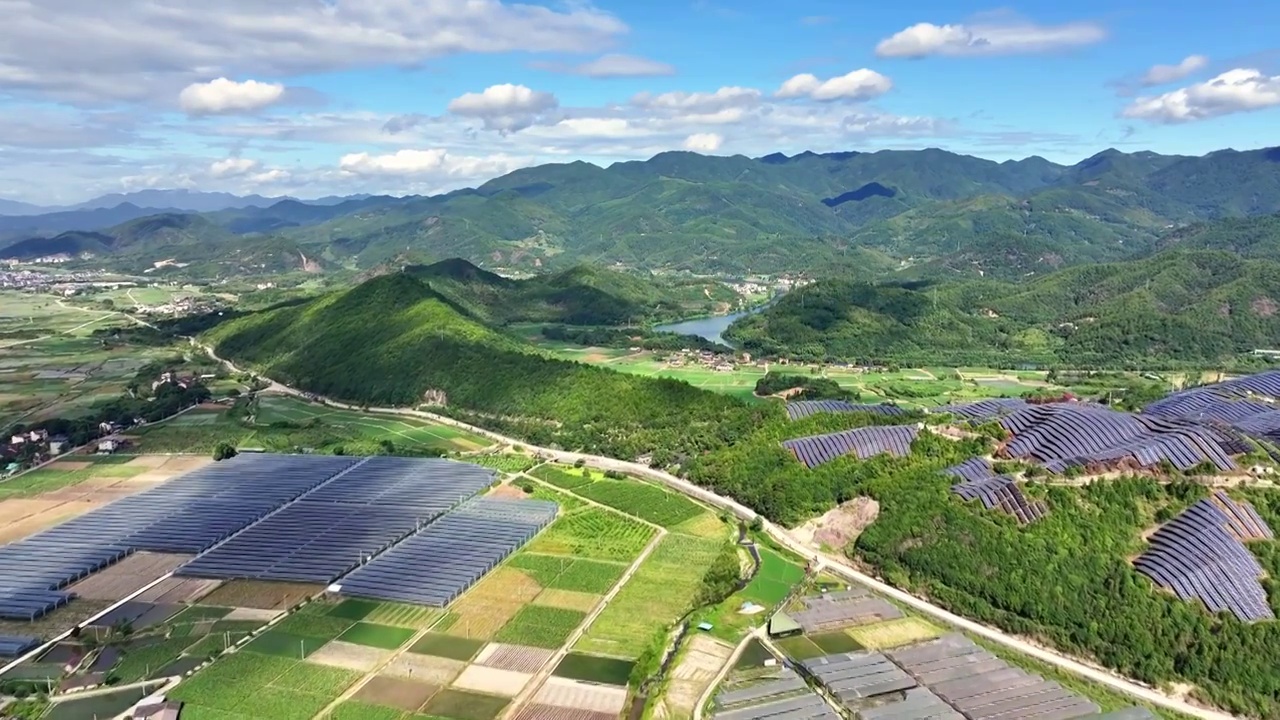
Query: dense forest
pixel 1177 308
pixel 1066 579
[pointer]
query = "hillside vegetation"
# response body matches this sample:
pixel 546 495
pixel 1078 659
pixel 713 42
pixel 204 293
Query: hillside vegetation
pixel 927 213
pixel 1177 307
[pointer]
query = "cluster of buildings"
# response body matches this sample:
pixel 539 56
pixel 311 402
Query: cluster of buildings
pixel 32 281
pixel 23 449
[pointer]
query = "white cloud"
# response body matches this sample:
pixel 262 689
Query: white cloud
pixel 700 103
pixel 613 65
pixel 703 142
pixel 228 96
pixel 1239 90
pixel 861 84
pixel 232 166
pixel 435 161
pixel 1162 74
pixel 996 36
pixel 89 51
pixel 269 177
pixel 505 108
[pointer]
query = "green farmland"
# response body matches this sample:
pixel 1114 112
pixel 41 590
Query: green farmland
pixel 277 423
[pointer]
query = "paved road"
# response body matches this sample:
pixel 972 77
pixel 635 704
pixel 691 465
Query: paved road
pixel 836 565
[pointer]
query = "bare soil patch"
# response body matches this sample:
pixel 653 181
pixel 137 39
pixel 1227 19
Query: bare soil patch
pixel 253 614
pixel 396 692
pixel 519 658
pixel 692 675
pixel 551 712
pixel 128 576
pixel 493 681
pixel 507 490
pixel 839 527
pixel 349 656
pixel 567 599
pixel 70 465
pixel 562 692
pixel 179 590
pixel 261 594
pixel 425 668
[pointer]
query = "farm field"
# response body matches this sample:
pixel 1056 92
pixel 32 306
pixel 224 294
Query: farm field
pixel 912 387
pixel 278 423
pixel 76 484
pixel 51 366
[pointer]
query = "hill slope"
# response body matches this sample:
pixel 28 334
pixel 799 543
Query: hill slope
pixel 1194 306
pixel 392 339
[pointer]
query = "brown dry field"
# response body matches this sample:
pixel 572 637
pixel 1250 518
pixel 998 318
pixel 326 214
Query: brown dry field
pixel 56 622
pixel 20 517
pixel 492 681
pixel 492 602
pixel 551 712
pixel 179 590
pixel 349 656
pixel 513 657
pixel 563 692
pixel 261 594
pixel 128 576
pixel 396 692
pixel 691 676
pixel 568 599
pixel 424 668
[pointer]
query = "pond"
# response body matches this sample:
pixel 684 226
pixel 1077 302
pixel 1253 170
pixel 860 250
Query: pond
pixel 710 328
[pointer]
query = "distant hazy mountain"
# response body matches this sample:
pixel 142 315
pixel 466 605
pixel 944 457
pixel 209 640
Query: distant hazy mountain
pixel 921 213
pixel 13 207
pixel 185 200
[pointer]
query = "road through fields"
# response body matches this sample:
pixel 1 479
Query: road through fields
pixel 831 563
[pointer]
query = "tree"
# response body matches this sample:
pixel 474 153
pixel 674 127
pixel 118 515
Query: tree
pixel 223 451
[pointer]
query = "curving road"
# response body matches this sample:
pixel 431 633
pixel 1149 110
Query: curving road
pixel 833 564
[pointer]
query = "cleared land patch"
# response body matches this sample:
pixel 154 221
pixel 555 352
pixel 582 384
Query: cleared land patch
pixel 491 603
pixel 692 675
pixel 396 692
pixel 463 705
pixel 424 668
pixel 492 681
pixel 349 656
pixel 568 600
pixel 513 657
pixel 893 633
pixel 563 692
pixel 127 576
pixel 261 594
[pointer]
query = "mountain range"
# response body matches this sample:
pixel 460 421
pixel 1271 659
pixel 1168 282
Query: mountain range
pixel 924 213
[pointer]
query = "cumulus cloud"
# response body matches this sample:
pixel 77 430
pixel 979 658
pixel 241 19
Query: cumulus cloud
pixel 505 108
pixel 703 142
pixel 1234 91
pixel 861 84
pixel 700 103
pixel 232 167
pixel 228 96
pixel 613 65
pixel 91 51
pixel 435 161
pixel 1162 74
pixel 997 36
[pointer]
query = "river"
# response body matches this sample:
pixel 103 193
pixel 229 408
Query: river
pixel 710 328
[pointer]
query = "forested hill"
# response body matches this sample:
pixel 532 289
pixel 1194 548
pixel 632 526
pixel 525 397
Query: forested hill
pixel 581 295
pixel 930 211
pixel 1179 306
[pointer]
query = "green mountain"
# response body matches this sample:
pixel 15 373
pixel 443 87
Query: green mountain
pixel 927 213
pixel 1177 306
pixel 582 295
pixel 395 340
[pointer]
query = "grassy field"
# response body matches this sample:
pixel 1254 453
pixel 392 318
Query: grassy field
pixel 593 534
pixel 51 366
pixel 915 387
pixel 284 424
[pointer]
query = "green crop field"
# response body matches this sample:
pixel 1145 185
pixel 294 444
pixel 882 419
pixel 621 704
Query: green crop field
pixel 592 668
pixel 51 366
pixel 661 590
pixel 283 644
pixel 463 705
pixel 561 573
pixel 538 626
pixel 447 646
pixel 642 500
pixel 313 626
pixel 378 636
pixel 594 533
pixel 357 710
pixel 53 477
pixel 565 478
pixel 504 462
pixel 774 580
pixel 400 615
pixel 284 424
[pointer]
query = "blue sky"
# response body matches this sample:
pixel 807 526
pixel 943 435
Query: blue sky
pixel 316 97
